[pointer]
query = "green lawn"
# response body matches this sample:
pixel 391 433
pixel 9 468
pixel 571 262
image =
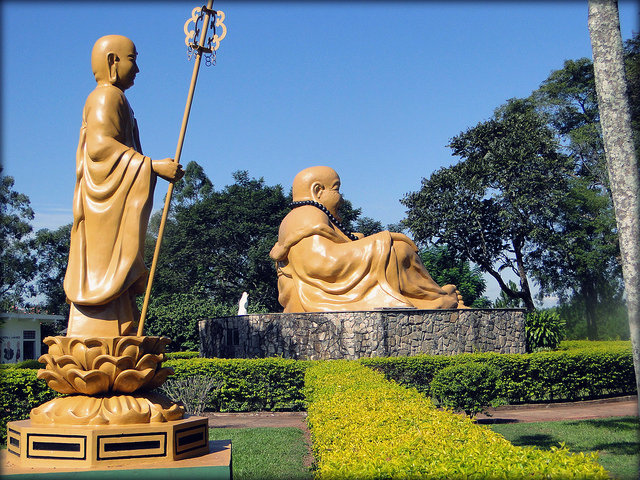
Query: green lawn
pixel 266 453
pixel 616 439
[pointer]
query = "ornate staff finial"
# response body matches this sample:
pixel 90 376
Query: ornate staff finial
pixel 212 42
pixel 199 43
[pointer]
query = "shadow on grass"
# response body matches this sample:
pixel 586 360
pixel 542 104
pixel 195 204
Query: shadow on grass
pixel 539 440
pixel 544 441
pixel 495 421
pixel 619 448
pixel 622 424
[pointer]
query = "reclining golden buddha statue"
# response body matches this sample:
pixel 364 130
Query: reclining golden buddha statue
pixel 323 267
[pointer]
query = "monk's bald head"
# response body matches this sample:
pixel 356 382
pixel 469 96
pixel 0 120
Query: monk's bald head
pixel 106 52
pixel 303 181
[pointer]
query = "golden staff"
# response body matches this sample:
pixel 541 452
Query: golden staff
pixel 196 41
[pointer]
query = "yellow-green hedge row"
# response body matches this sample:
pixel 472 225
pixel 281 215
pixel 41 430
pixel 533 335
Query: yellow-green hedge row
pixel 366 427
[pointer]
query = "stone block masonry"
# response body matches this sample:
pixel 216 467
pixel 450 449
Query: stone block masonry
pixel 353 335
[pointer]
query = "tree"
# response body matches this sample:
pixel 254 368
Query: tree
pixel 505 301
pixel 194 187
pixel 218 245
pixel 611 87
pixel 368 226
pixel 348 214
pixel 16 256
pixel 581 254
pixel 568 96
pixel 176 315
pixel 52 255
pixel 445 269
pixel 491 206
pixel 631 54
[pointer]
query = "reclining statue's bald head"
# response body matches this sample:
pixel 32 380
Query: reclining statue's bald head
pixel 320 184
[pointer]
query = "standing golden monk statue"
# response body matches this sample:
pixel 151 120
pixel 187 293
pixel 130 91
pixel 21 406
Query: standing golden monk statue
pixel 111 413
pixel 321 267
pixel 112 201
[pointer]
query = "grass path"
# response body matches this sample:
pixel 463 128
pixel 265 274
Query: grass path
pixel 616 439
pixel 266 453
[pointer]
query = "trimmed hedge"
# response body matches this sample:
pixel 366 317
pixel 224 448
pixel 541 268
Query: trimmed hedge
pixel 20 391
pixel 583 370
pixel 274 384
pixel 604 345
pixel 249 384
pixel 470 387
pixel 569 375
pixel 181 355
pixel 365 427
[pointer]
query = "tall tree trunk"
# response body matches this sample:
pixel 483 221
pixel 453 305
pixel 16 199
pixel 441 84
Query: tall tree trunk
pixel 590 304
pixel 525 291
pixel 615 119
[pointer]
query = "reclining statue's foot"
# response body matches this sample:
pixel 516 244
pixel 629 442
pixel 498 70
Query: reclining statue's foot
pixel 460 301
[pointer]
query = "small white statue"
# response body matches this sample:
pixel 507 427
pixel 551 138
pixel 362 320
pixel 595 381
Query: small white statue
pixel 242 305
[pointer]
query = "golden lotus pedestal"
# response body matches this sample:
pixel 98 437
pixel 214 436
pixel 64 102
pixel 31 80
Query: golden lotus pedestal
pixel 111 419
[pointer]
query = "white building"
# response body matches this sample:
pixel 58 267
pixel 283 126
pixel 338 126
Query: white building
pixel 20 335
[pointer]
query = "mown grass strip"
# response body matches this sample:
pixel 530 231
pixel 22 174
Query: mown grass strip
pixel 616 439
pixel 266 453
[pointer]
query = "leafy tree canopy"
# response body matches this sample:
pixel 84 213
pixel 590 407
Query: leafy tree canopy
pixel 16 256
pixel 581 252
pixel 217 242
pixel 445 269
pixel 176 315
pixel 52 247
pixel 504 193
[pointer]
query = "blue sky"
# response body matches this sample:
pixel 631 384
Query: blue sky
pixel 375 90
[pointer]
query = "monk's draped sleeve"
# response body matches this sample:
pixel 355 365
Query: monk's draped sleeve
pixel 111 205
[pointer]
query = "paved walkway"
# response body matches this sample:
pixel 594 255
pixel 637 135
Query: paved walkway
pixel 610 407
pixel 550 412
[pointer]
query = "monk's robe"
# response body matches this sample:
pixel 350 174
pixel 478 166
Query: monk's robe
pixel 111 206
pixel 321 269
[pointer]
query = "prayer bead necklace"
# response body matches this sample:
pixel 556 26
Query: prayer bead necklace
pixel 332 219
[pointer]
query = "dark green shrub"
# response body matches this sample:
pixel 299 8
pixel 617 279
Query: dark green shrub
pixel 249 384
pixel 176 316
pixel 31 364
pixel 577 374
pixel 20 391
pixel 181 355
pixel 544 330
pixel 192 392
pixel 470 387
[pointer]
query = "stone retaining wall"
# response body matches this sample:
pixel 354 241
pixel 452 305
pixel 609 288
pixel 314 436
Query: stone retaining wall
pixel 352 335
